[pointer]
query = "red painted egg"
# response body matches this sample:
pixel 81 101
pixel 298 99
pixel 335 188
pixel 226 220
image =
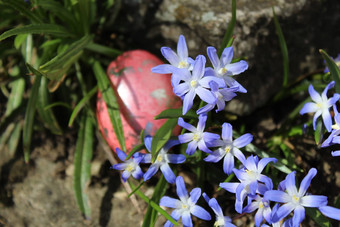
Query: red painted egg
pixel 145 94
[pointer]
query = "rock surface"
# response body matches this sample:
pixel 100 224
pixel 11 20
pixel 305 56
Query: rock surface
pixel 307 26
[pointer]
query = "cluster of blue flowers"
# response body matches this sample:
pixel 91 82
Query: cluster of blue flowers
pixel 215 86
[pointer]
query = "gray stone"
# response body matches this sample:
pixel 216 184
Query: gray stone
pixel 307 26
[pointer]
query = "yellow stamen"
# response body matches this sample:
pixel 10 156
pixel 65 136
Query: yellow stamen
pixel 159 158
pixel 193 83
pixel 196 137
pixel 261 205
pixel 296 199
pixel 182 64
pixel 336 127
pixel 222 71
pixel 130 168
pixel 227 149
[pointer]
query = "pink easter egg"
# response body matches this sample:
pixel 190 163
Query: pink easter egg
pixel 145 94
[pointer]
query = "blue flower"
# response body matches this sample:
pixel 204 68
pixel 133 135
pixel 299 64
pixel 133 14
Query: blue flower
pixel 130 166
pixel 185 206
pixel 294 199
pixel 320 105
pixel 179 60
pixel 222 95
pixel 223 67
pixel 330 212
pixel 221 221
pixel 334 137
pixel 229 148
pixel 337 62
pixel 263 209
pixel 162 161
pixel 195 83
pixel 197 137
pixel 249 177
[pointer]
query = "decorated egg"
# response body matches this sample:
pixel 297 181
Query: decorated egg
pixel 145 94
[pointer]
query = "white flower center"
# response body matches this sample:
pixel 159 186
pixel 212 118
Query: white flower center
pixel 197 137
pixel 131 167
pixel 222 71
pixel 296 199
pixel 219 221
pixel 182 64
pixel 336 127
pixel 193 83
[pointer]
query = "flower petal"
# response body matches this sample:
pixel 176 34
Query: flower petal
pixel 263 162
pixel 205 95
pixel 243 140
pixel 163 69
pixel 181 89
pixel 126 175
pixel 290 184
pixel 327 120
pixel 237 68
pixel 215 207
pixel 147 142
pixel 176 158
pixel 211 51
pixel 121 154
pixel 203 147
pixel 188 101
pixel 335 153
pixel 230 187
pixel 119 166
pixel 227 56
pixel 299 215
pixel 185 125
pixel 200 213
pixel 316 115
pixel 168 174
pixel 277 196
pixel 170 55
pixel 314 201
pixel 329 86
pixel 138 173
pixel 151 171
pixel 186 219
pixel 306 181
pixel 313 94
pixel 166 201
pixel 309 107
pixel 213 157
pixel 283 211
pixel 227 132
pixel 182 49
pixel 192 146
pixel 199 67
pixel 258 217
pixel 201 122
pixel 180 188
pixel 330 212
pixel 195 195
pixel 228 163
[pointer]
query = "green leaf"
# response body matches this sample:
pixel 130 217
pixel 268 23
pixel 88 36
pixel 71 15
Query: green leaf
pixel 151 214
pixel 60 11
pixel 284 50
pixel 110 52
pixel 19 39
pixel 153 204
pixel 58 66
pixel 30 113
pixel 111 102
pixel 162 136
pixel 176 113
pixel 82 164
pixel 47 115
pixel 50 29
pixel 230 30
pixel 22 8
pixel 81 104
pixel 318 132
pixel 316 215
pixel 134 150
pixel 333 69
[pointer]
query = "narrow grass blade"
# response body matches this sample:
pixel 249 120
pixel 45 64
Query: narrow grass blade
pixel 50 29
pixel 153 204
pixel 30 113
pixel 110 52
pixel 162 136
pixel 333 69
pixel 176 113
pixel 134 150
pixel 151 214
pixel 318 132
pixel 47 115
pixel 63 104
pixel 22 8
pixel 81 104
pixel 111 102
pixel 82 164
pixel 230 29
pixel 59 11
pixel 284 50
pixel 58 66
pixel 14 138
